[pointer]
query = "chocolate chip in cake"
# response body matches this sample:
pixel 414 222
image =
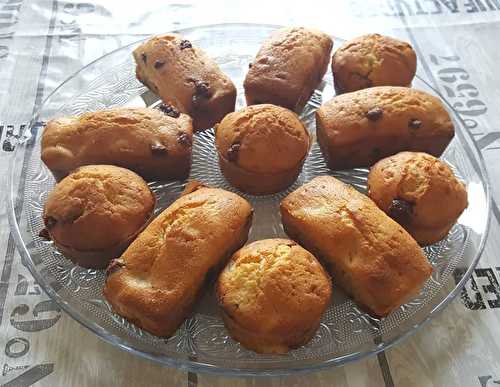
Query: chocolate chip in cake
pixel 159 64
pixel 44 233
pixel 169 110
pixel 186 44
pixel 374 114
pixel 158 150
pixel 250 65
pixel 414 123
pixel 184 139
pixel 232 152
pixel 144 57
pixel 50 222
pixel 401 211
pixel 196 101
pixel 201 93
pixel 115 265
pixel 202 89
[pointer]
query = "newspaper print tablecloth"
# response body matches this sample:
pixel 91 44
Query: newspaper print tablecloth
pixel 43 42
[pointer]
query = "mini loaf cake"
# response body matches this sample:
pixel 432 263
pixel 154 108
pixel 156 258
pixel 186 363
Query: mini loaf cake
pixel 94 213
pixel 261 148
pixel 155 143
pixel 369 255
pixel 156 281
pixel 272 294
pixel 373 60
pixel 420 192
pixel 184 76
pixel 290 64
pixel 359 128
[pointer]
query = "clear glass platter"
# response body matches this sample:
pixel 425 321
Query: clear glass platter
pixel 202 344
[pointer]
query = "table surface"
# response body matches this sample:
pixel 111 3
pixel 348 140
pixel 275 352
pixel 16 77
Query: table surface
pixel 42 42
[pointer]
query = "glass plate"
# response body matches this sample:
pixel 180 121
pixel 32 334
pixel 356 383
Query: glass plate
pixel 202 343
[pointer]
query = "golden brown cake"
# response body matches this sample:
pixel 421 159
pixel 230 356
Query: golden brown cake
pixel 155 143
pixel 94 213
pixel 261 148
pixel 184 76
pixel 288 67
pixel 373 60
pixel 420 192
pixel 359 128
pixel 369 255
pixel 156 281
pixel 272 294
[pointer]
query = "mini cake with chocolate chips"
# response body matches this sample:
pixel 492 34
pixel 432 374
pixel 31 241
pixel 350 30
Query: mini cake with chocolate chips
pixel 184 76
pixel 155 143
pixel 357 129
pixel 94 213
pixel 420 192
pixel 261 148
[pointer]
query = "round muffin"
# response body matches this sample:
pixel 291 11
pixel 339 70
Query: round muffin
pixel 420 192
pixel 373 60
pixel 94 213
pixel 272 294
pixel 261 148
